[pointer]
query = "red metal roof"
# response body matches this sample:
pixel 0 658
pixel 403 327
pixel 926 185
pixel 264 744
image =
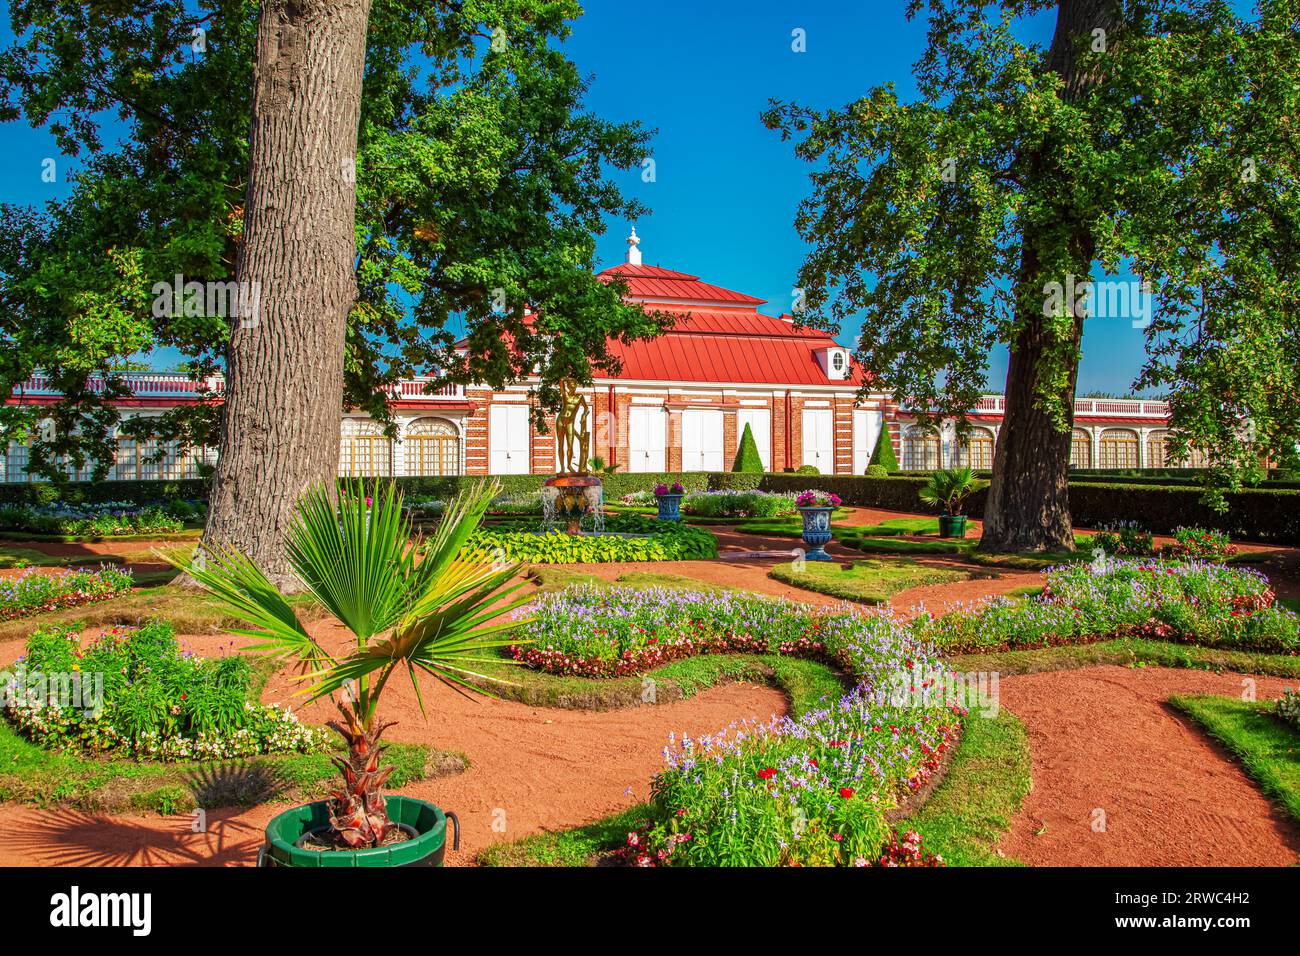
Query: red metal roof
pixel 653 282
pixel 743 359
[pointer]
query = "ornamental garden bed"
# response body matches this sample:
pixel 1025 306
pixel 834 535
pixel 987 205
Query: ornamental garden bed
pixel 96 522
pixel 131 720
pixel 824 788
pixel 627 538
pixel 37 591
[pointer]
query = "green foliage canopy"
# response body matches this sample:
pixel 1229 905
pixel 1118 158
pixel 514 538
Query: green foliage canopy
pixel 481 182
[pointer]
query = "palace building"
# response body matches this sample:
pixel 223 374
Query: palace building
pixel 680 403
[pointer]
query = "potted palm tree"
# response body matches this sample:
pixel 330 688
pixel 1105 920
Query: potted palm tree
pixel 411 606
pixel 948 490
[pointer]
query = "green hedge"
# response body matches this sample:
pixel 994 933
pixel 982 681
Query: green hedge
pixel 92 492
pixel 1270 513
pixel 1262 514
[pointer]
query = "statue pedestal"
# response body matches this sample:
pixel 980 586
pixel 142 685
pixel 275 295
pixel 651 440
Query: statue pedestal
pixel 568 499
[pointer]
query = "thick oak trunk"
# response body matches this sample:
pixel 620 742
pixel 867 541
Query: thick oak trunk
pixel 284 377
pixel 1028 506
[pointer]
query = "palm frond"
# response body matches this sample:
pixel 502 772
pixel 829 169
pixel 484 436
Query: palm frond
pixel 461 519
pixel 240 585
pixel 356 560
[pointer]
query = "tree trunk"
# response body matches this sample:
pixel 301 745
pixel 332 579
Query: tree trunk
pixel 284 376
pixel 1028 507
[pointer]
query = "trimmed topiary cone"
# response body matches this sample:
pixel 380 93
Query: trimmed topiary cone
pixel 748 460
pixel 884 452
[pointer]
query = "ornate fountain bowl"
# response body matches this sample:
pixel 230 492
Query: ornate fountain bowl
pixel 572 499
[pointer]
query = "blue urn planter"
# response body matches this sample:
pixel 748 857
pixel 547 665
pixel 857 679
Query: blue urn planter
pixel 670 507
pixel 816 532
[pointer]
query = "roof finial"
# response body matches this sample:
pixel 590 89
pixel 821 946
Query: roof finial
pixel 633 253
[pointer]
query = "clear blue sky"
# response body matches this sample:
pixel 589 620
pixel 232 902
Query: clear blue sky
pixel 726 189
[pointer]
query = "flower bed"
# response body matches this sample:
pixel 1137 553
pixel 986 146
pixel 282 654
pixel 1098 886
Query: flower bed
pixel 33 591
pixel 811 791
pixel 592 632
pixel 738 504
pixel 647 540
pixel 1192 602
pixel 99 520
pixel 137 694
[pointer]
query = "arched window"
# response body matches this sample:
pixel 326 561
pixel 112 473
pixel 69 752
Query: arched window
pixel 1119 448
pixel 1158 450
pixel 364 449
pixel 920 450
pixel 432 447
pixel 1080 449
pixel 977 453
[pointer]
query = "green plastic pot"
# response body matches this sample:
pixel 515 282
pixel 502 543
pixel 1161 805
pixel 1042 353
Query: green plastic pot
pixel 427 849
pixel 952 526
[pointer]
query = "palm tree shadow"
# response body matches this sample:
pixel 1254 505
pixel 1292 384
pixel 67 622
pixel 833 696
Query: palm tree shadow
pixel 236 784
pixel 78 838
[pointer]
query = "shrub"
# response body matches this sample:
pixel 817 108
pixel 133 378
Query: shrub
pixel 33 591
pixel 807 470
pixel 877 471
pixel 1199 544
pixel 737 504
pixel 1124 538
pixel 748 460
pixel 648 539
pixel 1287 707
pixel 519 503
pixel 639 499
pixel 157 702
pixel 948 490
pixel 98 520
pixel 883 454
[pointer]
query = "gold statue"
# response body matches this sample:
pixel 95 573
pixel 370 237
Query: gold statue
pixel 572 437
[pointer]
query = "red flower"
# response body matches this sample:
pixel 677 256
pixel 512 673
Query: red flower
pixel 767 773
pixel 847 792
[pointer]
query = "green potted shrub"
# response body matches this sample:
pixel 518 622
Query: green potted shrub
pixel 948 490
pixel 411 606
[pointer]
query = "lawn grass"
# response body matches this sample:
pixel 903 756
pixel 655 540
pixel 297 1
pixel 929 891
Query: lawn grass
pixel 901 526
pixel 805 682
pixel 12 556
pixel 579 846
pixel 194 532
pixel 869 582
pixel 1266 747
pixel 984 786
pixel 31 774
pixel 1129 652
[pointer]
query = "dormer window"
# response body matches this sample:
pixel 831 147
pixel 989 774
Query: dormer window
pixel 834 362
